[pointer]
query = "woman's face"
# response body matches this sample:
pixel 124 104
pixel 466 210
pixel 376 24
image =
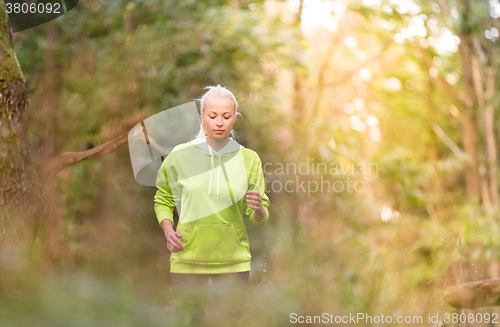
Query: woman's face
pixel 219 117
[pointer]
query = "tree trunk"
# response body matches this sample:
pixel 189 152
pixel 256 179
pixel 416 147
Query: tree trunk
pixel 489 121
pixel 16 172
pixel 298 101
pixel 469 135
pixel 437 189
pixel 50 221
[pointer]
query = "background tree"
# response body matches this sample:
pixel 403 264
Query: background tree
pixel 15 171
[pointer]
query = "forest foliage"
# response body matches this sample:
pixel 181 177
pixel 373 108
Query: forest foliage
pixel 405 88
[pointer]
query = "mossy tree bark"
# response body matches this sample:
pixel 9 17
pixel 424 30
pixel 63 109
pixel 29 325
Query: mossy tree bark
pixel 16 172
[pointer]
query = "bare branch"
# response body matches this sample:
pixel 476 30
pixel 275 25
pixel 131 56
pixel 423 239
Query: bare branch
pixel 456 97
pixel 66 159
pixel 479 49
pixel 320 85
pixel 448 141
pixel 138 136
pixel 444 6
pixel 456 113
pixel 111 132
pixel 477 80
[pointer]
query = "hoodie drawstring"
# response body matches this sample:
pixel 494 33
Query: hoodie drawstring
pixel 212 172
pixel 218 177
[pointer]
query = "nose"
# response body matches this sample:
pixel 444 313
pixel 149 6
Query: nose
pixel 219 121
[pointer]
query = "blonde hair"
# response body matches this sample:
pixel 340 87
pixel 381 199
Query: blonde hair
pixel 213 93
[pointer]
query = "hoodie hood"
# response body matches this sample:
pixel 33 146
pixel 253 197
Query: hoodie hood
pixel 204 147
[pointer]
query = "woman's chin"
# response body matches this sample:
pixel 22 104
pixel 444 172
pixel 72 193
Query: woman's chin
pixel 218 136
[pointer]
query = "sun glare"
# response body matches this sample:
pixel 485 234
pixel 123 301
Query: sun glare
pixel 318 13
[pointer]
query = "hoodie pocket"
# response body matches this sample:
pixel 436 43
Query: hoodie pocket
pixel 214 244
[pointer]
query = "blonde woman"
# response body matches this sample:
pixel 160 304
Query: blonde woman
pixel 216 184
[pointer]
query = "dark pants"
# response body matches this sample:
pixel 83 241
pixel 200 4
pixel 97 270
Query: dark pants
pixel 216 299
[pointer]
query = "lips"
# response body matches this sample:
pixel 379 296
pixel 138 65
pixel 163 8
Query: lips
pixel 219 131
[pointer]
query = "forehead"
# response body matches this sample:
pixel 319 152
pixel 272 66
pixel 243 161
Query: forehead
pixel 219 105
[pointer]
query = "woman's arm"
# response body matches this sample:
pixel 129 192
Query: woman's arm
pixel 173 242
pixel 257 200
pixel 164 208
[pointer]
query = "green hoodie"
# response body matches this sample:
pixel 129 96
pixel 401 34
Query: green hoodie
pixel 209 189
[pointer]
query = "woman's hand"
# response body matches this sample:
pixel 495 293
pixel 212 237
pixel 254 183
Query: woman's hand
pixel 173 242
pixel 254 201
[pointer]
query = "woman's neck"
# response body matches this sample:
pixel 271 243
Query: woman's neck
pixel 217 144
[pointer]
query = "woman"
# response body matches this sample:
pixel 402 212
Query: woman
pixel 215 183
